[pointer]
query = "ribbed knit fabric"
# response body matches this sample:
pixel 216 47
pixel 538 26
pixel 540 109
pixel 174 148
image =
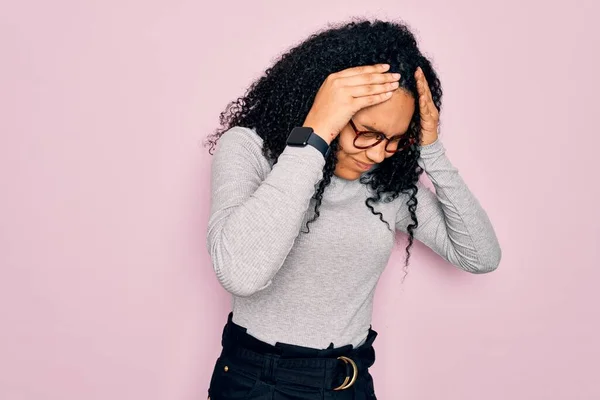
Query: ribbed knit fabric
pixel 317 288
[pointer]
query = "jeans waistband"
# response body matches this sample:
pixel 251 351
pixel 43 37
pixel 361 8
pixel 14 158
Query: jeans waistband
pixel 296 364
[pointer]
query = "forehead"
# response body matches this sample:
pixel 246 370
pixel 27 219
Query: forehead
pixel 392 116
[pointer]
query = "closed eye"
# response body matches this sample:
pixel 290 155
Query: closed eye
pixel 370 135
pixel 375 131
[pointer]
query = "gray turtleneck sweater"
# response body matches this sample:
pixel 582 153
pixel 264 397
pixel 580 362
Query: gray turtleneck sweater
pixel 317 288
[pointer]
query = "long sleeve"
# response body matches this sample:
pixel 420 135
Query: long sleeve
pixel 256 212
pixel 451 220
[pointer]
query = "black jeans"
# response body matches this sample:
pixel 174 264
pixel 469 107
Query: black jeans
pixel 252 369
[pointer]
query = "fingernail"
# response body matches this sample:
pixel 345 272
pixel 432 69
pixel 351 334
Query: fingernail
pixel 396 75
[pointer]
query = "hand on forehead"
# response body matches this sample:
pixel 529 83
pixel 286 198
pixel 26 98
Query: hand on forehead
pixel 391 117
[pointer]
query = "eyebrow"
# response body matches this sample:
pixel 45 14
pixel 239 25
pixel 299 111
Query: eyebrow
pixel 370 128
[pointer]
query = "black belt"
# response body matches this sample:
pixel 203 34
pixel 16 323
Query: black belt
pixel 332 368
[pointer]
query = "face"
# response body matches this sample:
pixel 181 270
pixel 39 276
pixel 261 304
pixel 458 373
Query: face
pixel 392 117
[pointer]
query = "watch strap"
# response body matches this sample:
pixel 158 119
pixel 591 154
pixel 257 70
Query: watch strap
pixel 319 143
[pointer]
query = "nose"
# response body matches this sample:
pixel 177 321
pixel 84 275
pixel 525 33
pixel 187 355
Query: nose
pixel 377 153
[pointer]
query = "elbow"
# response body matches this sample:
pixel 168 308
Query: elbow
pixel 241 287
pixel 238 280
pixel 234 276
pixel 485 263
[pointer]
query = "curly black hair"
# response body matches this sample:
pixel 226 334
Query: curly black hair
pixel 281 99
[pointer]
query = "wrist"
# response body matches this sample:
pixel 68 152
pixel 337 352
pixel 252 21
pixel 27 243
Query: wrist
pixel 429 140
pixel 321 131
pixel 432 150
pixel 306 136
pixel 428 143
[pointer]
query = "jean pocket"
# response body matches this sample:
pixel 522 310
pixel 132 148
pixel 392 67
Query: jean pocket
pixel 230 381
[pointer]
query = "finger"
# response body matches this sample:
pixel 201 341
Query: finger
pixel 422 94
pixel 363 69
pixel 369 79
pixel 419 74
pixel 428 111
pixel 368 90
pixel 424 106
pixel 366 101
pixel 420 88
pixel 430 103
pixel 425 93
pixel 425 85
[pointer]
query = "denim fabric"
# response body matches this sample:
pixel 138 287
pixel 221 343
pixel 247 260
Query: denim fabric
pixel 248 368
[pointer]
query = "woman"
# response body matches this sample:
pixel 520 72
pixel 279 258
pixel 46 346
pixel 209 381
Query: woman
pixel 316 168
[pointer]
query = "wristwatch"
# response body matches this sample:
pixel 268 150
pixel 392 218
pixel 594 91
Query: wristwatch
pixel 304 135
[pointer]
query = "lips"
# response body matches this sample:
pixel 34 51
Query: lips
pixel 363 166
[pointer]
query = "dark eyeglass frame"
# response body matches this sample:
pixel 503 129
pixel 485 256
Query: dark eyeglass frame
pixel 404 143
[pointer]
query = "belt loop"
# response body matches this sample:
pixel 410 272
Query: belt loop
pixel 267 373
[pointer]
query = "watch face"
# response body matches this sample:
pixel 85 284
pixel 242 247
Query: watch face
pixel 299 136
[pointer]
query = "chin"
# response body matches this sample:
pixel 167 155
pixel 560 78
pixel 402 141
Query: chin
pixel 347 174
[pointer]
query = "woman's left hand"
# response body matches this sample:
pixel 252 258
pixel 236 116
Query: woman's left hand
pixel 430 116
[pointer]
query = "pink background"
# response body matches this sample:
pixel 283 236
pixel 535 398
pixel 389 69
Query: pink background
pixel 106 289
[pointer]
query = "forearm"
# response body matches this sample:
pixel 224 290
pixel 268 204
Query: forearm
pixel 250 234
pixel 467 237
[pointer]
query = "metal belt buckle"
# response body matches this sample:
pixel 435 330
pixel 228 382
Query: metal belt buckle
pixel 348 381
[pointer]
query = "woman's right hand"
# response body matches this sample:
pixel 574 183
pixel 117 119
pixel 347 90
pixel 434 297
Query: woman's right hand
pixel 346 92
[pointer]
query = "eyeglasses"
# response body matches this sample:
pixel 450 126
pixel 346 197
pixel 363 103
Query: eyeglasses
pixel 368 139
